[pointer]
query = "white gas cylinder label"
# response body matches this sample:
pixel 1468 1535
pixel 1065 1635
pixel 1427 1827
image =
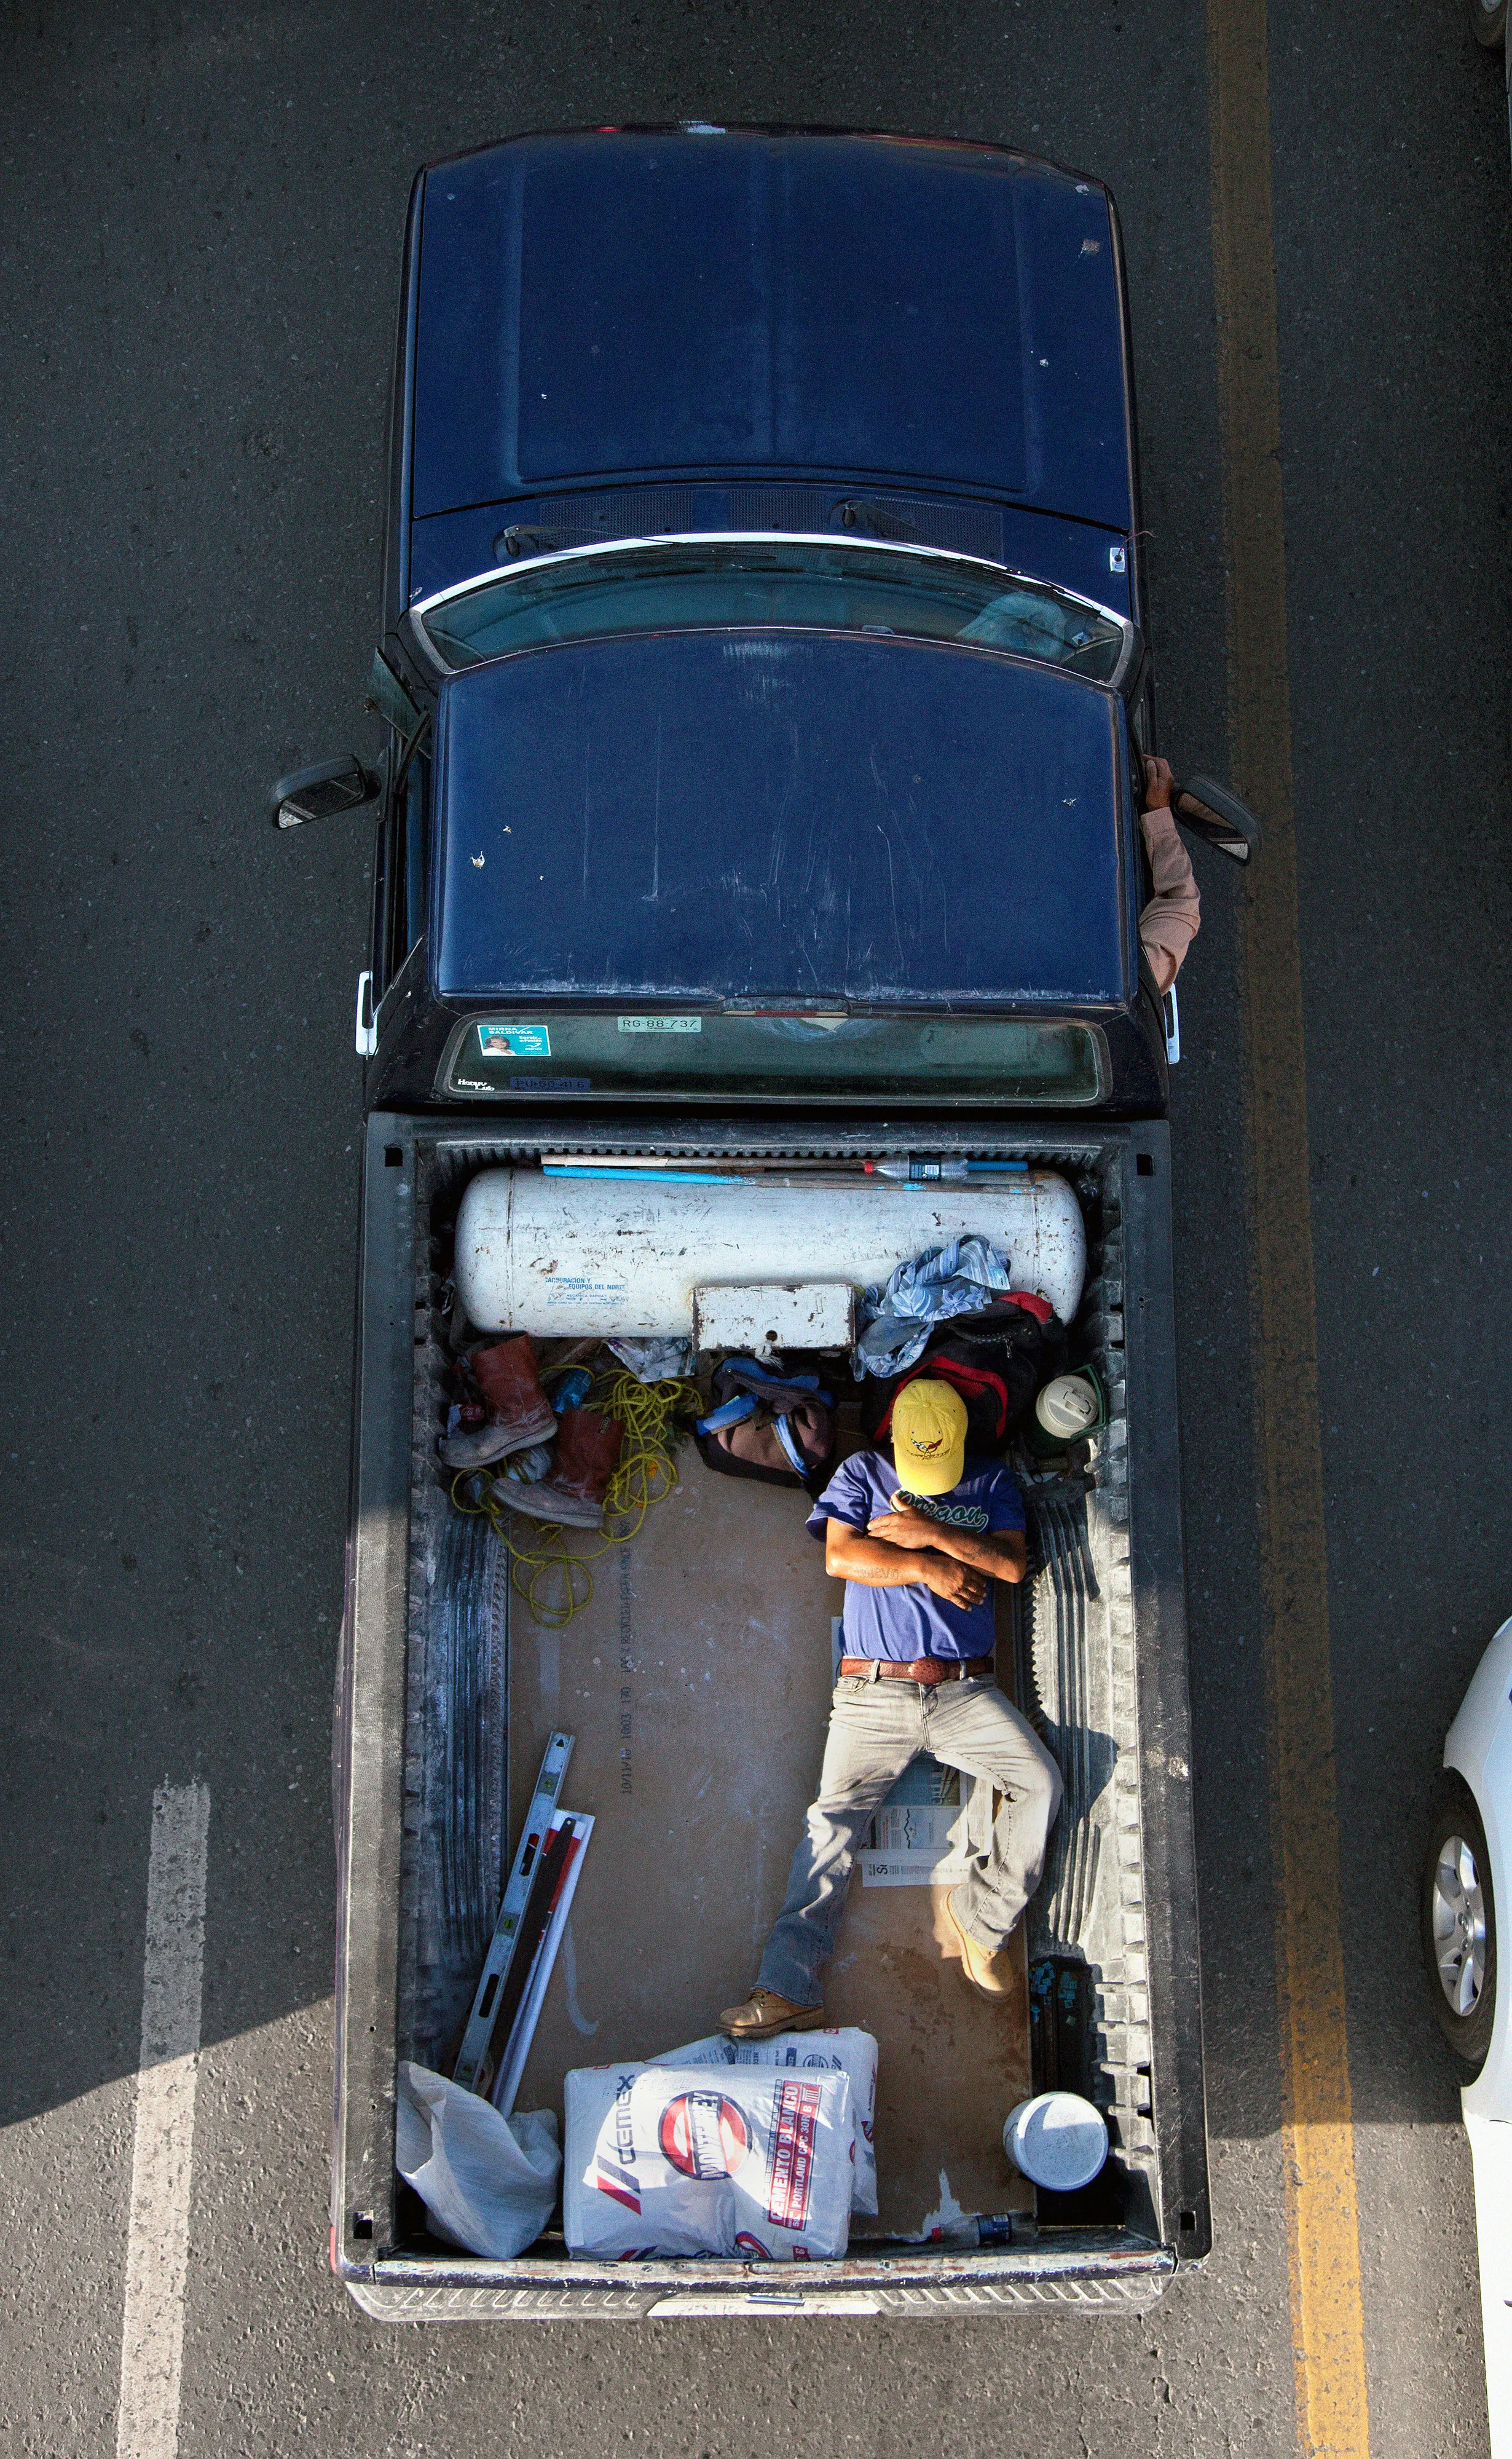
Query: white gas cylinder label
pixel 563 1288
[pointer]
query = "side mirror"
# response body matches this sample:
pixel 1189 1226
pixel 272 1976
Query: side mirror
pixel 319 792
pixel 1218 817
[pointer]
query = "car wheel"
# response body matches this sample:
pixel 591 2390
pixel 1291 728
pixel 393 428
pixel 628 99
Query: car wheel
pixel 1488 22
pixel 1459 1921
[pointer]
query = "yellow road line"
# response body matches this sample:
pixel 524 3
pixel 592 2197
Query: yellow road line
pixel 1317 2135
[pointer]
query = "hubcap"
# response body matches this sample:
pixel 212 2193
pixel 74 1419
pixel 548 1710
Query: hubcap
pixel 1458 1925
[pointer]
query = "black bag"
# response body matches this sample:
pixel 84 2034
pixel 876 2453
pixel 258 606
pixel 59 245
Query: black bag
pixel 995 1359
pixel 777 1428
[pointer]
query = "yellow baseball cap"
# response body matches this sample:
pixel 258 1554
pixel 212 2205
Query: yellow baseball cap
pixel 928 1436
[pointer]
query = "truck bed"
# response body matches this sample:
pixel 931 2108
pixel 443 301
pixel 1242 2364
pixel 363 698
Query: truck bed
pixel 698 1733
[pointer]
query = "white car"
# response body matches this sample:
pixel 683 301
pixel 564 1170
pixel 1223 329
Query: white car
pixel 1488 23
pixel 1465 1872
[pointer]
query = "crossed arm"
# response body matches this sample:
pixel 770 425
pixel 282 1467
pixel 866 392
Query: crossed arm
pixel 901 1549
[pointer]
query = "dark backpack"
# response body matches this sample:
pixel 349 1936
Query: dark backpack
pixel 777 1428
pixel 997 1360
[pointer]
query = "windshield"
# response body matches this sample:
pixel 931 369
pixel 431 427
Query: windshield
pixel 697 584
pixel 778 1056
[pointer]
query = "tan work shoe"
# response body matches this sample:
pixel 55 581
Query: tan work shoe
pixel 764 2013
pixel 991 1976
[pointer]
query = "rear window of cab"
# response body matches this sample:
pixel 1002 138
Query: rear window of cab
pixel 757 1057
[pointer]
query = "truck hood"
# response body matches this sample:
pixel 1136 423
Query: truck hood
pixel 610 305
pixel 795 816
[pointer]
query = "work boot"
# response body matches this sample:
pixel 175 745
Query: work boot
pixel 518 1411
pixel 574 1490
pixel 991 1975
pixel 764 2014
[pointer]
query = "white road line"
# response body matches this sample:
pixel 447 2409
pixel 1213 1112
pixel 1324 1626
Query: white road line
pixel 162 2162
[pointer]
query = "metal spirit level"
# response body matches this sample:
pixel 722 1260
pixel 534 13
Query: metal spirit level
pixel 475 2054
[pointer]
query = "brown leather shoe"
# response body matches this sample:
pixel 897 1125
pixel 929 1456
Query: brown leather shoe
pixel 991 1976
pixel 518 1411
pixel 764 2013
pixel 573 1489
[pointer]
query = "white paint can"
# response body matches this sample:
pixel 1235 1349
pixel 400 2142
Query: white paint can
pixel 1057 2140
pixel 587 1259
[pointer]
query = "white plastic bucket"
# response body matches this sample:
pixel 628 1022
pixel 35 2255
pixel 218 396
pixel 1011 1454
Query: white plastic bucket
pixel 1057 2140
pixel 585 1259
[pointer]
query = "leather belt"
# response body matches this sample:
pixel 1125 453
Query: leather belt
pixel 928 1669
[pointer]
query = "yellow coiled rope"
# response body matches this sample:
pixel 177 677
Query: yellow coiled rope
pixel 554 1582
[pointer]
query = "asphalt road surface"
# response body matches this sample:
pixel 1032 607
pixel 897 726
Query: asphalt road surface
pixel 201 254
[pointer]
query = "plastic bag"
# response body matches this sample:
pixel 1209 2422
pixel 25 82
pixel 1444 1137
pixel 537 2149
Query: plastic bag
pixel 654 1361
pixel 746 2162
pixel 487 2182
pixel 843 2048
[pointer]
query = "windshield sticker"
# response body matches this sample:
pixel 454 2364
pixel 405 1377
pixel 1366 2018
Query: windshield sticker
pixel 550 1085
pixel 514 1041
pixel 661 1024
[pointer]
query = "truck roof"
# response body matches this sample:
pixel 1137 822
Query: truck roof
pixel 765 814
pixel 617 305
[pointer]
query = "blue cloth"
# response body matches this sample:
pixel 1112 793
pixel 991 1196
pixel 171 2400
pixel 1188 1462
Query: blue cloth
pixel 905 1623
pixel 959 1279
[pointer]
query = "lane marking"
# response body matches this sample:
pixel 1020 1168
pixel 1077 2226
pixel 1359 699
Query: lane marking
pixel 162 2160
pixel 1328 2327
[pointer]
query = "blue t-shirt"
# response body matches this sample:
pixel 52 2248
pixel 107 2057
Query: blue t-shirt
pixel 905 1623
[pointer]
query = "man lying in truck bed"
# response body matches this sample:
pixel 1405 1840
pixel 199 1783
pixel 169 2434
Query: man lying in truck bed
pixel 918 1541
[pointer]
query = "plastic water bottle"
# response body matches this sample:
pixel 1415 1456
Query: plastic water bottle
pixel 528 1468
pixel 568 1390
pixel 921 1169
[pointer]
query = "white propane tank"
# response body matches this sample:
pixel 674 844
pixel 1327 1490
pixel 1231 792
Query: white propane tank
pixel 585 1259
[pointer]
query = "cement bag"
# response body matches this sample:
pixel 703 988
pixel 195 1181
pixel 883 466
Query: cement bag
pixel 487 2182
pixel 852 2052
pixel 751 2164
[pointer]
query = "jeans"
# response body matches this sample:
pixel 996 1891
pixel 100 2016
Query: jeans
pixel 876 1729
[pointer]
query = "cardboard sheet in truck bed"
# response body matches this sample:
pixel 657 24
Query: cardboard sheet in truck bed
pixel 697 1681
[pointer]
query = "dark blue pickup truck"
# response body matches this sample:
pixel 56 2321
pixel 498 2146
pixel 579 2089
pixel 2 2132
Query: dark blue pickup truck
pixel 764 686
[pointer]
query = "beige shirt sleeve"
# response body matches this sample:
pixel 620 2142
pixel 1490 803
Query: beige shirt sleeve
pixel 1170 920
